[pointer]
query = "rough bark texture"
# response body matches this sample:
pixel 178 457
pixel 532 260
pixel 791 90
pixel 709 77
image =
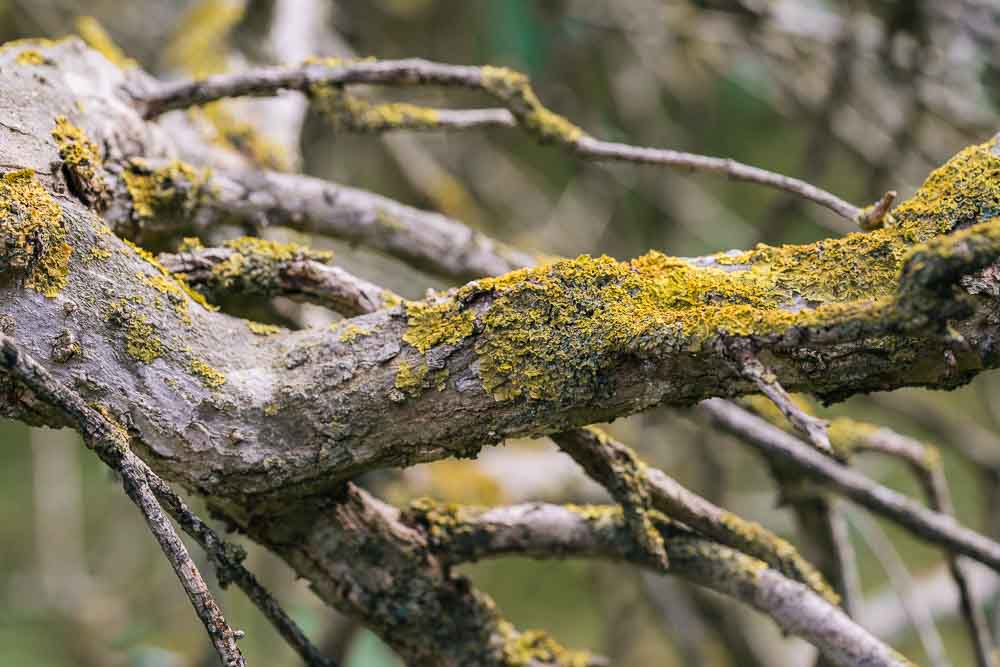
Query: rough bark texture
pixel 270 426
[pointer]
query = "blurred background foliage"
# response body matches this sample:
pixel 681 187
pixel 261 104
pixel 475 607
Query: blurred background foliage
pixel 856 97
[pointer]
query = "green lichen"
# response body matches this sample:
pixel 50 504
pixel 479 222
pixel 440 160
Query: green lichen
pixel 562 327
pixel 97 38
pixel 262 329
pixel 432 324
pixel 173 190
pixel 210 377
pixel 514 89
pixel 32 234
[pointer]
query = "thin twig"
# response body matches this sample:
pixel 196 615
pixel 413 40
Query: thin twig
pixel 902 583
pixel 111 445
pixel 927 524
pixel 877 215
pixel 146 488
pixel 926 464
pixel 593 449
pixel 738 351
pixel 510 88
pixel 849 436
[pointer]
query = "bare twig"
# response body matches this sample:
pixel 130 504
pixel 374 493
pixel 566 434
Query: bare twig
pixel 111 445
pixel 750 367
pixel 877 215
pixel 926 464
pixel 511 88
pixel 148 491
pixel 892 564
pixel 929 525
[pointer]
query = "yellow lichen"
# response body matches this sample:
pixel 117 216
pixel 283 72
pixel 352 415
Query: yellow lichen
pixel 31 57
pixel 99 253
pixel 190 244
pixel 463 481
pixel 431 324
pixel 533 647
pixel 409 379
pixel 175 188
pixel 140 340
pixel 514 89
pixel 352 332
pixel 82 157
pixel 262 329
pixel 563 326
pixel 32 233
pixel 352 113
pixel 177 279
pixel 210 377
pixel 97 38
pixel 257 265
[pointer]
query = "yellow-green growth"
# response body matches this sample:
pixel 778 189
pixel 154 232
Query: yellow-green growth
pixel 210 377
pixel 410 379
pixel 351 113
pixel 513 89
pixel 262 329
pixel 256 266
pixel 32 234
pixel 533 647
pixel 35 42
pixel 99 252
pixel 243 137
pixel 848 435
pixel 174 279
pixel 31 57
pixel 175 188
pixel 431 324
pixel 140 340
pixel 352 332
pixel 563 326
pixel 200 42
pixel 83 158
pixel 97 38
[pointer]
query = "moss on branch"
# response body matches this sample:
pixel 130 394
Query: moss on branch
pixel 567 323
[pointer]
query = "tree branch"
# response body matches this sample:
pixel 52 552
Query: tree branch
pixel 464 534
pixel 507 86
